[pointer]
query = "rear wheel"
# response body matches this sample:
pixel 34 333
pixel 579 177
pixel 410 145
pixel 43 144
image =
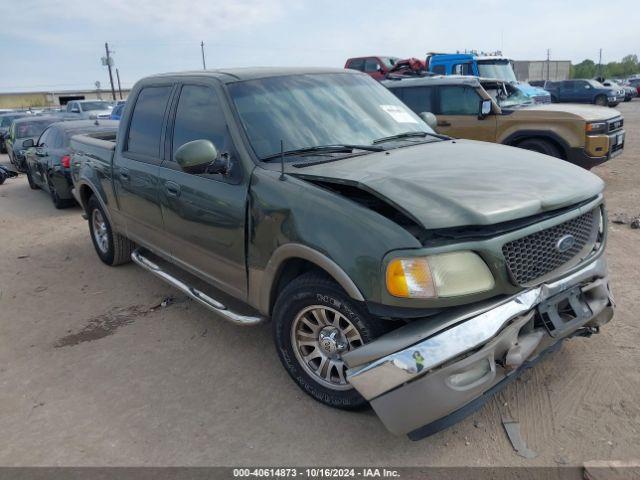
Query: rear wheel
pixel 541 146
pixel 58 202
pixel 112 248
pixel 601 100
pixel 314 324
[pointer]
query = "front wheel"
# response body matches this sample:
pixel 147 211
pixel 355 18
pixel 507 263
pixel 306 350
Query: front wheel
pixel 112 248
pixel 32 184
pixel 540 146
pixel 602 101
pixel 314 324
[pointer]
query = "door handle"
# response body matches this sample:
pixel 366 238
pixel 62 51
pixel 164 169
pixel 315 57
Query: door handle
pixel 172 188
pixel 444 123
pixel 124 174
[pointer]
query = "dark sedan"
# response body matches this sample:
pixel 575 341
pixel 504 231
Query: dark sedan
pixel 48 163
pixel 23 132
pixel 5 122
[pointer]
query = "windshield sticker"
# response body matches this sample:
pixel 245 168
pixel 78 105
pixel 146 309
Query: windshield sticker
pixel 399 114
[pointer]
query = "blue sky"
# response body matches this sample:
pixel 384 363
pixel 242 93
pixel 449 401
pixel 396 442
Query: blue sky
pixel 57 45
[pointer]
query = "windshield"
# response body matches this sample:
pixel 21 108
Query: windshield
pixel 87 106
pixel 500 69
pixel 595 84
pixel 389 61
pixel 31 129
pixel 320 109
pixel 507 96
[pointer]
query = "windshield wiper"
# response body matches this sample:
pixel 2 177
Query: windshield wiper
pixel 414 133
pixel 339 148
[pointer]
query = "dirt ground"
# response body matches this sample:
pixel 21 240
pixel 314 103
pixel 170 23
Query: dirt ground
pixel 93 371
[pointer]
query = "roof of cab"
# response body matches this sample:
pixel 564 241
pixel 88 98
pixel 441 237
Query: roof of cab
pixel 433 80
pixel 231 75
pixel 38 119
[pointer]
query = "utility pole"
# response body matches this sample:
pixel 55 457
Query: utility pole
pixel 548 62
pixel 600 64
pixel 113 90
pixel 204 65
pixel 119 88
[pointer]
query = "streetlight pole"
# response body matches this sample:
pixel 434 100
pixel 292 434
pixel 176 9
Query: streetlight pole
pixel 204 65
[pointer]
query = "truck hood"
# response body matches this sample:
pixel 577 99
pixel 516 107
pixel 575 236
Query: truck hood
pixel 462 182
pixel 588 112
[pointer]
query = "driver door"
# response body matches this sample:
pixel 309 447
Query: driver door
pixel 458 108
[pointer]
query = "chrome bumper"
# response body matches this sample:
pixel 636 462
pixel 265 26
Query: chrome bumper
pixel 413 386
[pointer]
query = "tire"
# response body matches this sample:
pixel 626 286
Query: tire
pixel 32 184
pixel 541 146
pixel 58 202
pixel 298 308
pixel 112 248
pixel 601 100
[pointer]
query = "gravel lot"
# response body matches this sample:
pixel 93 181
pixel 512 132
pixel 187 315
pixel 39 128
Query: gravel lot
pixel 94 372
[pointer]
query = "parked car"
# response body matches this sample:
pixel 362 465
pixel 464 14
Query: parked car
pixel 49 161
pixel 375 66
pixel 88 109
pixel 5 124
pixel 485 66
pixel 635 83
pixel 584 91
pixel 584 135
pixel 628 92
pixel 116 113
pixel 22 133
pixel 315 198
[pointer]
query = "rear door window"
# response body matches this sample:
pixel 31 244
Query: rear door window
pixel 439 70
pixel 418 99
pixel 371 65
pixel 146 121
pixel 456 100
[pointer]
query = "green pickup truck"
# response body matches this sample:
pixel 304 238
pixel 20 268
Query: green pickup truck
pixel 398 267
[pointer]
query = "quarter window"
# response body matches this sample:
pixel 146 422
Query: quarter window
pixel 146 121
pixel 456 100
pixel 357 64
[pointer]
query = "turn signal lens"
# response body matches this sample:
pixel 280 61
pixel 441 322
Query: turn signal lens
pixel 596 127
pixel 410 278
pixel 443 275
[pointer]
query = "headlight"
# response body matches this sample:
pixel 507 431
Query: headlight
pixel 596 127
pixel 443 275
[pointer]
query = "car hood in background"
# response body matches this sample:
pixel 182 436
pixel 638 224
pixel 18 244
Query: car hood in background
pixel 462 183
pixel 588 112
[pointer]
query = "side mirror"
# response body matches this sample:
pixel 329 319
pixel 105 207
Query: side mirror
pixel 430 119
pixel 587 87
pixel 28 143
pixel 201 156
pixel 485 108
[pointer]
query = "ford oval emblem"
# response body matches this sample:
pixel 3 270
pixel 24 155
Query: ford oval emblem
pixel 565 243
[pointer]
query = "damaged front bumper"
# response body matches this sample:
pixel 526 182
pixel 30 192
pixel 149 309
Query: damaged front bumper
pixel 432 373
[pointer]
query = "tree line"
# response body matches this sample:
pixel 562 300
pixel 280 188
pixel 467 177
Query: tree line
pixel 589 69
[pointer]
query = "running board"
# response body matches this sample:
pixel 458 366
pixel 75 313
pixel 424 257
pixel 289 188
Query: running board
pixel 194 293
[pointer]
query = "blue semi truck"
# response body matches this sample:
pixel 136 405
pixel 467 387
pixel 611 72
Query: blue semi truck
pixel 486 66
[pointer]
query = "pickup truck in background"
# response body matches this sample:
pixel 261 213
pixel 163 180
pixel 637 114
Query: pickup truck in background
pixel 584 91
pixel 485 66
pixel 87 109
pixel 585 135
pixel 398 267
pixel 376 66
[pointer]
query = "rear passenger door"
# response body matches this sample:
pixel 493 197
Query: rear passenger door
pixel 136 166
pixel 204 214
pixel 457 111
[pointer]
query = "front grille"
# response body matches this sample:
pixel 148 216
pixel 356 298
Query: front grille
pixel 615 124
pixel 531 257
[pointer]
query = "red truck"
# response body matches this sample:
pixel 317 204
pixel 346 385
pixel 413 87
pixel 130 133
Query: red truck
pixel 382 67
